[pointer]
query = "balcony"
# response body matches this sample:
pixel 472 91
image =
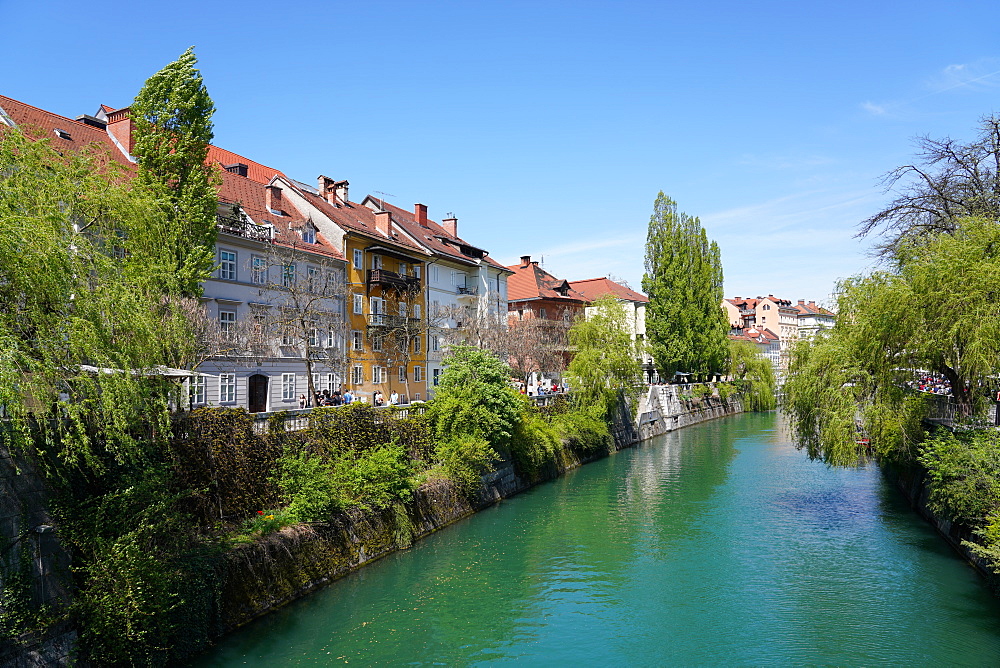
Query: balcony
pixel 390 279
pixel 239 227
pixel 391 321
pixel 467 291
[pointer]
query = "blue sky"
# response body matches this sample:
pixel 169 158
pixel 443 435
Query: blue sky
pixel 549 127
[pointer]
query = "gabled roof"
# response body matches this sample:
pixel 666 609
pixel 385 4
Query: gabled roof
pixel 756 335
pixel 355 218
pixel 252 199
pixel 255 171
pixel 812 309
pixel 64 134
pixel 433 236
pixel 529 281
pixel 594 288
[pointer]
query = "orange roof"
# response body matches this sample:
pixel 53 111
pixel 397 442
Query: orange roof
pixel 433 236
pixel 252 198
pixel 594 288
pixel 65 134
pixel 353 217
pixel 255 171
pixel 529 281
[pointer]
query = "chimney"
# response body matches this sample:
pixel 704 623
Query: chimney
pixel 420 211
pixel 736 299
pixel 525 260
pixel 272 198
pixel 450 226
pixel 802 302
pixel 812 304
pixel 237 168
pixel 383 223
pixel 325 185
pixel 341 188
pixel 120 127
pixel 91 121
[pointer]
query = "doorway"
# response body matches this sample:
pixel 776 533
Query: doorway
pixel 257 391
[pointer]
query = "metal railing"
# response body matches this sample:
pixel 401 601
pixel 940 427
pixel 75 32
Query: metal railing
pixel 243 228
pixel 298 419
pixel 387 278
pixel 467 290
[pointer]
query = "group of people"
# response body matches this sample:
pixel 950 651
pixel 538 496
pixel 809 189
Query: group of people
pixel 335 398
pixel 932 384
pixel 540 389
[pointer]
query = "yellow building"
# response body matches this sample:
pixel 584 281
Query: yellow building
pixel 386 303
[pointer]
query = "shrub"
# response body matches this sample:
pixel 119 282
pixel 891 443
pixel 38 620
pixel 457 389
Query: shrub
pixel 376 479
pixel 465 458
pixel 308 486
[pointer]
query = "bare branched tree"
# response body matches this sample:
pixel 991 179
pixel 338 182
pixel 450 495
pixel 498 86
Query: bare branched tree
pixel 950 180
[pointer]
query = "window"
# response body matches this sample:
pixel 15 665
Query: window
pixel 288 275
pixel 359 304
pixel 330 384
pixel 765 307
pixel 416 397
pixel 416 344
pixel 435 273
pixel 288 386
pixel 227 387
pixel 377 305
pixel 378 375
pixel 357 340
pixel 402 309
pixel 258 270
pixel 416 271
pixel 418 374
pixel 308 235
pixel 435 344
pixel 416 311
pixel 402 269
pixel 435 308
pixel 287 338
pixel 357 375
pixel 314 275
pixel 227 323
pixel 197 390
pixel 377 343
pixel 376 261
pixel 316 383
pixel 435 377
pixel 359 259
pixel 402 374
pixel 313 337
pixel 541 313
pixel 227 266
pixel 334 339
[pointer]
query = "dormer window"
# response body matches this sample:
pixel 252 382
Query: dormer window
pixel 62 134
pixel 309 235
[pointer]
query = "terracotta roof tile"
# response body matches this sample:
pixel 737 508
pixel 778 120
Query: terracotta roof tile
pixel 533 282
pixel 594 288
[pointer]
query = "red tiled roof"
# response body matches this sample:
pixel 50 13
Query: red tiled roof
pixel 35 121
pixel 433 236
pixel 755 335
pixel 812 309
pixel 255 171
pixel 354 217
pixel 594 288
pixel 252 198
pixel 533 282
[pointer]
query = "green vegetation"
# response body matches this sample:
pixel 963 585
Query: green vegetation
pixel 172 118
pixel 930 309
pixel 685 324
pixel 752 375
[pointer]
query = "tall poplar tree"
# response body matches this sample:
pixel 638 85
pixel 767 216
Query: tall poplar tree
pixel 685 324
pixel 172 126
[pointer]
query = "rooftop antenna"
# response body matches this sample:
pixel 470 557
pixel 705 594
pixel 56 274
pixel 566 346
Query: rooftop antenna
pixel 384 195
pixel 449 215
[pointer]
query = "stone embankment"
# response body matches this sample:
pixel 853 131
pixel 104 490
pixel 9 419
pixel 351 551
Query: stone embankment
pixel 263 576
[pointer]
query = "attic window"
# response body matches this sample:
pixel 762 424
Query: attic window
pixel 62 134
pixel 308 235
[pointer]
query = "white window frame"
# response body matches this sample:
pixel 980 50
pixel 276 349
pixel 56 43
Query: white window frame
pixel 314 275
pixel 378 375
pixel 416 271
pixel 378 342
pixel 308 235
pixel 402 306
pixel 227 265
pixel 288 387
pixel 402 374
pixel 288 275
pixel 227 323
pixel 435 343
pixel 359 259
pixel 227 388
pixel 418 374
pixel 258 270
pixel 435 377
pixel 197 390
pixel 359 304
pixel 416 311
pixel 435 274
pixel 376 261
pixel 417 343
pixel 357 375
pixel 357 339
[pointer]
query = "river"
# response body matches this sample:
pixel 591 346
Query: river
pixel 715 544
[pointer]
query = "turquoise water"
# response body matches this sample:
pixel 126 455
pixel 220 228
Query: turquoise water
pixel 716 544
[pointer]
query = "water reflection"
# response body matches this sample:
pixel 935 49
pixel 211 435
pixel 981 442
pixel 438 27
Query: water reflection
pixel 718 543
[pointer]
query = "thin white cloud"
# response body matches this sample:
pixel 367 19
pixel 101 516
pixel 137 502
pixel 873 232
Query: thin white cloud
pixel 980 75
pixel 874 109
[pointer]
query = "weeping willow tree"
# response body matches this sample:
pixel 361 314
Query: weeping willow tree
pixel 753 375
pixel 84 324
pixel 936 311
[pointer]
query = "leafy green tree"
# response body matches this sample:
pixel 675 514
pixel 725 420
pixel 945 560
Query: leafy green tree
pixel 605 361
pixel 935 312
pixel 172 121
pixel 753 374
pixel 685 323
